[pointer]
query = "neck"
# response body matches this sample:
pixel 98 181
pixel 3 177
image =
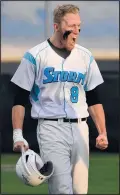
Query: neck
pixel 56 41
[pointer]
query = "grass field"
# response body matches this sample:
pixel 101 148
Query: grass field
pixel 103 176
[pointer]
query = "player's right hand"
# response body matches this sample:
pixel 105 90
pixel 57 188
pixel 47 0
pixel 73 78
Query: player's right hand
pixel 20 145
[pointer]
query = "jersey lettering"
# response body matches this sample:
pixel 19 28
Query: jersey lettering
pixel 72 76
pixel 62 76
pixel 80 77
pixel 47 73
pixel 56 75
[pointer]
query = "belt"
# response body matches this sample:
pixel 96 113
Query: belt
pixel 75 120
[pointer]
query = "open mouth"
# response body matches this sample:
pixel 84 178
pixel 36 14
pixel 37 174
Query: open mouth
pixel 74 39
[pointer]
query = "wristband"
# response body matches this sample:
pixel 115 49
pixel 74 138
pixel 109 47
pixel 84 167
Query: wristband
pixel 17 135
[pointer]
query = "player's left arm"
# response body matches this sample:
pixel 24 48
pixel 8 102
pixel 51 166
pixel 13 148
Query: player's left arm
pixel 93 82
pixel 98 116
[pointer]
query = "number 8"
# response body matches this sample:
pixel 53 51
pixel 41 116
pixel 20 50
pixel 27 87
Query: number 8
pixel 74 94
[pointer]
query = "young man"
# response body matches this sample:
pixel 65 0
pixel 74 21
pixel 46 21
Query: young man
pixel 62 79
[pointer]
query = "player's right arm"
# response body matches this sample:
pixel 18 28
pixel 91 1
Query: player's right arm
pixel 18 112
pixel 23 79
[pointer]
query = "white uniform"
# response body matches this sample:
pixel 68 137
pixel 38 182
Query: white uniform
pixel 57 83
pixel 58 88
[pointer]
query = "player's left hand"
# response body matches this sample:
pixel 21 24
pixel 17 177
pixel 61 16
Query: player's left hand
pixel 102 141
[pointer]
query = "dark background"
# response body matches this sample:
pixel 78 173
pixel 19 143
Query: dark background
pixel 109 93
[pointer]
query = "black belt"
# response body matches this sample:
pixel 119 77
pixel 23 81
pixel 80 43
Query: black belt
pixel 75 120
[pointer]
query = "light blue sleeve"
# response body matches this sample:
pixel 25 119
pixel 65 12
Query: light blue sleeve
pixel 24 76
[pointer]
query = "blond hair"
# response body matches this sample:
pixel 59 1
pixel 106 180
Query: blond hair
pixel 61 10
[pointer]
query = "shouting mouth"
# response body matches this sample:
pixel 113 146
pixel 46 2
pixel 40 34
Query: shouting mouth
pixel 73 40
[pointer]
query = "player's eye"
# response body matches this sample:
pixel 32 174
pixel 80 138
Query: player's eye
pixel 71 26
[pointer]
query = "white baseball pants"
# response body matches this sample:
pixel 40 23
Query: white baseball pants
pixel 67 146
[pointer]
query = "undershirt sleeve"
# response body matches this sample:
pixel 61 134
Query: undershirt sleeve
pixel 21 96
pixel 93 96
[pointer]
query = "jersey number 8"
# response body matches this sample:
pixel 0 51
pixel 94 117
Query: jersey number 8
pixel 74 94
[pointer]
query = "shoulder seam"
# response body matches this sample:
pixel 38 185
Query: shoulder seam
pixel 41 50
pixel 83 50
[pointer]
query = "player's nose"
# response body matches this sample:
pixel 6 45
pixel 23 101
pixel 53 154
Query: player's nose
pixel 76 31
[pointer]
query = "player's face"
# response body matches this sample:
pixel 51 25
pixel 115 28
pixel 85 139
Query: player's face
pixel 70 22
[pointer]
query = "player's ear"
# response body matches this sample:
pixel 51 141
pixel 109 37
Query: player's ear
pixel 56 27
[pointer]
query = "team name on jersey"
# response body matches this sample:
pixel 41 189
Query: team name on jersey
pixel 62 76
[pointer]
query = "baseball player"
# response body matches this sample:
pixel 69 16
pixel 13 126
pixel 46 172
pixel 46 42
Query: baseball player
pixel 61 79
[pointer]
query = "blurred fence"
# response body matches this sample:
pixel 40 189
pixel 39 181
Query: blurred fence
pixel 109 94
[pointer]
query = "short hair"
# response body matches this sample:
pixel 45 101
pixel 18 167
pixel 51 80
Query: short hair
pixel 61 10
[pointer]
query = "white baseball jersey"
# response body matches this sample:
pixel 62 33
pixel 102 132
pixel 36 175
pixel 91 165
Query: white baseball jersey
pixel 58 85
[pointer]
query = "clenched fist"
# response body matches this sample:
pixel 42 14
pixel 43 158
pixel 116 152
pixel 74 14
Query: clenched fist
pixel 102 142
